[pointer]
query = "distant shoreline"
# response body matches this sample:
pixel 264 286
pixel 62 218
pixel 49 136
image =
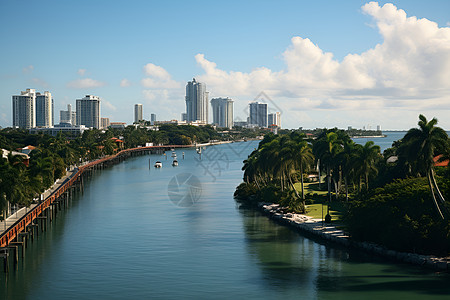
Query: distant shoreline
pixel 368 136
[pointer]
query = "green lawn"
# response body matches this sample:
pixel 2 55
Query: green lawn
pixel 310 188
pixel 315 211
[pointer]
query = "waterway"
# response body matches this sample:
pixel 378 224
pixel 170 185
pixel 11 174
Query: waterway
pixel 133 235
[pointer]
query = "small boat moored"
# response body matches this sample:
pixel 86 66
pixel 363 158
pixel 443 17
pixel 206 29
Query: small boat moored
pixel 158 164
pixel 175 163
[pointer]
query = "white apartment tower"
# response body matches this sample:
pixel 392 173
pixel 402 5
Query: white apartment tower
pixel 44 110
pixel 68 116
pixel 88 111
pixel 196 102
pixel 222 109
pixel 24 109
pixel 274 119
pixel 138 113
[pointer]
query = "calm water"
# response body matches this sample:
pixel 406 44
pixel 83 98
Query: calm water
pixel 384 142
pixel 125 239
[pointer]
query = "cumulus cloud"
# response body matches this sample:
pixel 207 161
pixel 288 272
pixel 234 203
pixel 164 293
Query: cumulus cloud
pixel 85 83
pixel 108 105
pixel 125 83
pixel 412 63
pixel 81 72
pixel 40 82
pixel 158 78
pixel 28 69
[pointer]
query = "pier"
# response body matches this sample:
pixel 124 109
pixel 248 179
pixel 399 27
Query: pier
pixel 25 224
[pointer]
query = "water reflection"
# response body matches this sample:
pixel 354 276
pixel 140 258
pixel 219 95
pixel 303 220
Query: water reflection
pixel 290 261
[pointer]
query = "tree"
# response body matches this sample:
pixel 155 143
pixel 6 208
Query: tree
pixel 366 160
pixel 422 145
pixel 326 149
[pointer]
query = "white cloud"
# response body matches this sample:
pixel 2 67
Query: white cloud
pixel 448 24
pixel 125 83
pixel 108 105
pixel 159 95
pixel 40 82
pixel 81 72
pixel 28 69
pixel 412 64
pixel 158 78
pixel 85 83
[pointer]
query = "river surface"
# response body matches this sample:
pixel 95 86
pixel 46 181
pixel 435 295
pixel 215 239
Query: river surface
pixel 138 233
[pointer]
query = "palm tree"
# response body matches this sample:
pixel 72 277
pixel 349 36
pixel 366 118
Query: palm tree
pixel 305 159
pixel 326 149
pixel 423 144
pixel 346 160
pixel 367 157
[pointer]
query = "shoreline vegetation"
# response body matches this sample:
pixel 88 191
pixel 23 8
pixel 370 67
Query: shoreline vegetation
pixel 395 201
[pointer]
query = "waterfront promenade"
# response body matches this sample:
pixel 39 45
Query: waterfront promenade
pixel 18 222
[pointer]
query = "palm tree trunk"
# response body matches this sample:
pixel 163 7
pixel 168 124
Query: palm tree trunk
pixel 346 188
pixel 367 181
pixel 436 204
pixel 293 187
pixel 336 189
pixel 318 168
pixel 301 176
pixel 441 198
pixel 329 189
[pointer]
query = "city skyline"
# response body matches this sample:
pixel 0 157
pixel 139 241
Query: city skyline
pixel 353 64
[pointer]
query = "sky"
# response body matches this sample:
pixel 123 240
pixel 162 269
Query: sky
pixel 319 63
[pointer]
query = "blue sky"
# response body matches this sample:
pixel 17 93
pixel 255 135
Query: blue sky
pixel 323 63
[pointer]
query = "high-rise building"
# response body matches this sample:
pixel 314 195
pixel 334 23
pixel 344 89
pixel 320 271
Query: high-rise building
pixel 274 119
pixel 196 102
pixel 153 117
pixel 44 110
pixel 258 114
pixel 88 111
pixel 68 116
pixel 222 109
pixel 24 109
pixel 138 113
pixel 104 122
pixel 183 116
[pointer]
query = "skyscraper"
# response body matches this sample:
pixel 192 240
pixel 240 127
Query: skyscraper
pixel 258 114
pixel 138 113
pixel 196 102
pixel 68 116
pixel 44 110
pixel 274 119
pixel 104 123
pixel 24 109
pixel 222 112
pixel 88 111
pixel 152 118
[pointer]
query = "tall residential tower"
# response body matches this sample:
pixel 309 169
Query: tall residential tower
pixel 196 102
pixel 258 114
pixel 44 110
pixel 88 111
pixel 222 109
pixel 138 113
pixel 24 109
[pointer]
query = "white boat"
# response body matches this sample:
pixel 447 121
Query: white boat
pixel 174 154
pixel 175 163
pixel 158 164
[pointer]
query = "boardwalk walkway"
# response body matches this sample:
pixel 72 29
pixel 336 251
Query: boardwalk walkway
pixel 11 220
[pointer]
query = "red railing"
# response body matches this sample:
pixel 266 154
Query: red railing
pixel 20 225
